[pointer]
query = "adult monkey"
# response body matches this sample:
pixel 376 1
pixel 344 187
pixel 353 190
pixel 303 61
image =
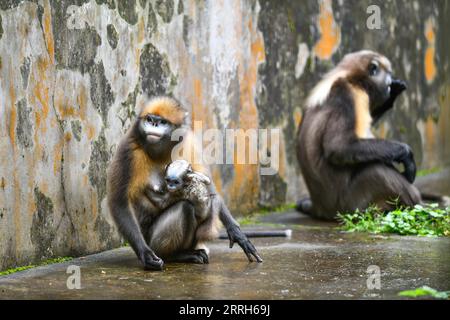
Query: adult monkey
pixel 343 165
pixel 137 192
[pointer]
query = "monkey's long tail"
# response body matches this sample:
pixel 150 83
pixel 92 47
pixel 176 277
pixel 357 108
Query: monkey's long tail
pixel 263 234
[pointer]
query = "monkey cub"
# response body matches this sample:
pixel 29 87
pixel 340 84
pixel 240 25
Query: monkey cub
pixel 183 183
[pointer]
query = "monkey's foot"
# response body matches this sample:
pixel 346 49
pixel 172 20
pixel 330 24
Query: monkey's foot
pixel 195 256
pixel 151 261
pixel 305 206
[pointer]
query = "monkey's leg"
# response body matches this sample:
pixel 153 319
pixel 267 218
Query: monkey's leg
pixel 129 228
pixel 199 256
pixel 172 236
pixel 378 184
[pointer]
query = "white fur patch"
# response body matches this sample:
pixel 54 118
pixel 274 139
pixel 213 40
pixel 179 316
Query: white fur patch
pixel 201 246
pixel 321 91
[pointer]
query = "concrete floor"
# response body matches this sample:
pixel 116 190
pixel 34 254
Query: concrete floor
pixel 318 262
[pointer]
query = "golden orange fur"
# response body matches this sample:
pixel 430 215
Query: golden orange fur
pixel 167 108
pixel 141 166
pixel 363 120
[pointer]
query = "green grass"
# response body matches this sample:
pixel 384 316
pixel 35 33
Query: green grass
pixel 30 266
pixel 425 291
pixel 252 218
pixel 422 220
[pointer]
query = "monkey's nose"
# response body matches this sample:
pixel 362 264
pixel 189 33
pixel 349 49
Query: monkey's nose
pixel 173 183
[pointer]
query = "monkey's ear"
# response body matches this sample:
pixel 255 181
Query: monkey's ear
pixel 202 177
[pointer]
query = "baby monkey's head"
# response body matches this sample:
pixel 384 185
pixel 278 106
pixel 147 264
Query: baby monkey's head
pixel 179 172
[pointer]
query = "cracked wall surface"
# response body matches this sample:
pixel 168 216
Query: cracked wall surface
pixel 72 73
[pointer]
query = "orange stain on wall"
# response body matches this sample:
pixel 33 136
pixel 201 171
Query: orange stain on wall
pixel 37 143
pixel 41 93
pixel 90 132
pixel 245 184
pixel 48 34
pixel 330 32
pixel 141 30
pixel 430 130
pixel 68 108
pixel 57 154
pixel 94 205
pixel 82 98
pixel 67 136
pixel 430 138
pixel 297 116
pixel 429 63
pixel 85 180
pixel 198 112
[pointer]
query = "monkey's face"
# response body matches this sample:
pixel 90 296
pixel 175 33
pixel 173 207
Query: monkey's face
pixel 155 129
pixel 373 72
pixel 176 173
pixel 380 76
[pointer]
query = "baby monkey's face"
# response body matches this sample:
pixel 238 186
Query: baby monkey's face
pixel 176 173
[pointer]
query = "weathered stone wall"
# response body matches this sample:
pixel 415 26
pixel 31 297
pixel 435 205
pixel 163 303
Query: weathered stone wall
pixel 71 73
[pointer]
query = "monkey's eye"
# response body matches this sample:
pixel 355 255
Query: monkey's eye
pixel 148 118
pixel 373 68
pixel 163 121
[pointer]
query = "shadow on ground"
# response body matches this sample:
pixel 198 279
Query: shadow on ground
pixel 317 262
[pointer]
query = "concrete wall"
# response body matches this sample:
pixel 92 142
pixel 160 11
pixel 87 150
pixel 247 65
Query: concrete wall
pixel 71 73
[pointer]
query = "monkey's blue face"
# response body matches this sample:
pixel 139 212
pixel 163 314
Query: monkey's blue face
pixel 176 172
pixel 155 128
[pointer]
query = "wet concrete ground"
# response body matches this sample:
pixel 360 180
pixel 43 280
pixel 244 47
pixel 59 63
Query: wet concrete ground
pixel 318 262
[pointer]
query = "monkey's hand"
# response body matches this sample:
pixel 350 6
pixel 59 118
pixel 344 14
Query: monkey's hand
pixel 397 87
pixel 236 235
pixel 407 158
pixel 151 261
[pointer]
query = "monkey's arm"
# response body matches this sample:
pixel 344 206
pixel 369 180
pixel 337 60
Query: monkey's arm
pixel 234 232
pixel 129 228
pixel 397 87
pixel 356 151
